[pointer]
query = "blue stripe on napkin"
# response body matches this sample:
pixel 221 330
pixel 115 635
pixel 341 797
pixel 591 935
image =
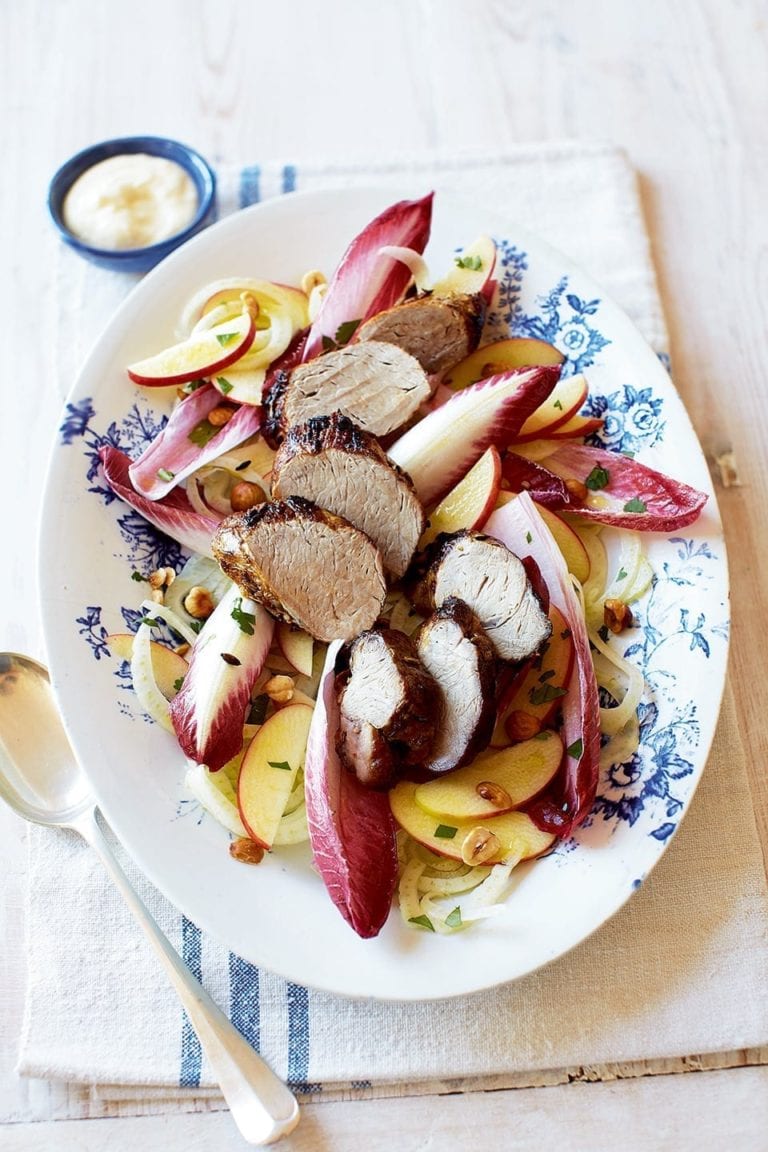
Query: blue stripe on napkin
pixel 289 178
pixel 191 1052
pixel 250 185
pixel 298 1039
pixel 244 1006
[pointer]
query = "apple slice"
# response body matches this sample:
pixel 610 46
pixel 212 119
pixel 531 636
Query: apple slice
pixel 494 783
pixel 269 769
pixel 199 356
pixel 515 831
pixel 576 427
pixel 169 668
pixel 472 269
pixel 241 385
pixel 563 402
pixel 470 503
pixel 297 646
pixel 532 699
pixel 504 355
pixel 571 546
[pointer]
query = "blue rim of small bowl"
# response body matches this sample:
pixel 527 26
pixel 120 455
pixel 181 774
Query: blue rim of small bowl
pixel 134 259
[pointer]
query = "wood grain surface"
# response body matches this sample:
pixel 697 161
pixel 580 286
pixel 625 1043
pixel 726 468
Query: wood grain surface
pixel 682 85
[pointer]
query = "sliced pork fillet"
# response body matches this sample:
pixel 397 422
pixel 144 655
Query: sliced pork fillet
pixel 388 707
pixel 305 565
pixel 438 331
pixel 453 646
pixel 494 583
pixel 341 468
pixel 377 385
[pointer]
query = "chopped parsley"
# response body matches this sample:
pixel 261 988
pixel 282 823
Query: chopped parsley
pixel 151 621
pixel 282 764
pixel 528 538
pixel 545 694
pixel 137 576
pixel 445 832
pixel 224 385
pixel 178 683
pixel 346 331
pixel 202 433
pixel 473 263
pixel 246 620
pixel 453 919
pixel 621 574
pixel 634 505
pixel 558 404
pixel 547 675
pixel 196 625
pixel 597 479
pixel 165 474
pixel 575 750
pixel 423 922
pixel 225 338
pixel 193 385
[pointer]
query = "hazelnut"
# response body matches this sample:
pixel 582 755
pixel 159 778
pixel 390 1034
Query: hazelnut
pixel 245 495
pixel 617 615
pixel 479 846
pixel 494 794
pixel 161 578
pixel 246 851
pixel 280 689
pixel 198 603
pixel 578 490
pixel 220 415
pixel 521 725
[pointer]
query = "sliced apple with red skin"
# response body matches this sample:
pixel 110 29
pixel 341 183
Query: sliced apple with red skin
pixel 560 406
pixel 297 646
pixel 472 269
pixel 470 503
pixel 493 783
pixel 569 543
pixel 168 666
pixel 532 699
pixel 516 832
pixel 576 427
pixel 269 769
pixel 201 355
pixel 503 355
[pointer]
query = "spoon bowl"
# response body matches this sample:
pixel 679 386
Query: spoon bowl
pixel 42 781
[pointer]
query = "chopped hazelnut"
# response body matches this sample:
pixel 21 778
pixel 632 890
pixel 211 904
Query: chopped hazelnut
pixel 198 603
pixel 246 851
pixel 479 846
pixel 617 615
pixel 221 415
pixel 578 490
pixel 280 689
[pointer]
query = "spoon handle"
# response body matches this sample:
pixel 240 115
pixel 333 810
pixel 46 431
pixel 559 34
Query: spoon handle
pixel 262 1106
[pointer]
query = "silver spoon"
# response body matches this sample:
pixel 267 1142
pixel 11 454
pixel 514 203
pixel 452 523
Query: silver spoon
pixel 42 781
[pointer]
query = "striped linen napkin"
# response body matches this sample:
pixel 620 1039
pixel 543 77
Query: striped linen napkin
pixel 678 971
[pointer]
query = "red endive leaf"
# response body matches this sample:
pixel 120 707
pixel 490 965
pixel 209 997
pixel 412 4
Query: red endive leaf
pixel 365 282
pixel 351 827
pixel 173 514
pixel 622 491
pixel 211 706
pixel 568 801
pixel 443 446
pixel 172 455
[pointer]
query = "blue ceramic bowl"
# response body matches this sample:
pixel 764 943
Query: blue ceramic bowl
pixel 134 259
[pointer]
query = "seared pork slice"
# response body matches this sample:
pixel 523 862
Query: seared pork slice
pixel 438 330
pixel 377 385
pixel 494 583
pixel 338 466
pixel 454 647
pixel 388 707
pixel 305 565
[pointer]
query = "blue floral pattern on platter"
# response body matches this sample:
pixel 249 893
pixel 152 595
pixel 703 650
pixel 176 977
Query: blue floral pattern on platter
pixel 651 788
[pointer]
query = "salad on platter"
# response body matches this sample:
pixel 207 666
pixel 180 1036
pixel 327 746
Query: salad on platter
pixel 407 561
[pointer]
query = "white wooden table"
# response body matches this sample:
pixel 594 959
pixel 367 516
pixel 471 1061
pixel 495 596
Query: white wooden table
pixel 683 87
